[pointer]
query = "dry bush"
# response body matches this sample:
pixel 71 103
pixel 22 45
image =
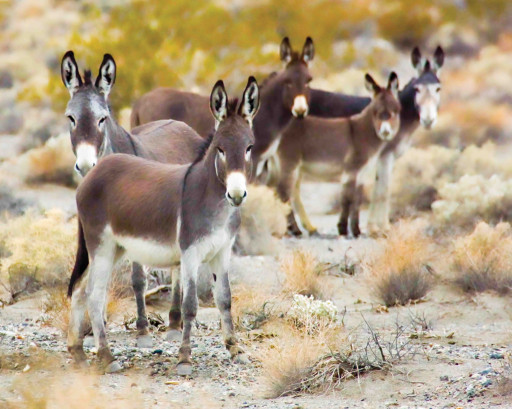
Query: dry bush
pixel 472 198
pixel 39 247
pixel 482 260
pixel 252 307
pixel 71 391
pixel 263 222
pixel 52 162
pixel 302 274
pixel 399 271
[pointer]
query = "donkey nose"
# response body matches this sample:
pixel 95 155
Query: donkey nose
pixel 300 106
pixel 237 200
pixel 428 122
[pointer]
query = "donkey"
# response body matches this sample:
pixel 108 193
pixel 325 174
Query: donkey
pixel 326 148
pixel 284 96
pixel 95 134
pixel 420 103
pixel 153 213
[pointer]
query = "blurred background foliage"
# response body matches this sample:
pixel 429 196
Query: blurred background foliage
pixel 190 44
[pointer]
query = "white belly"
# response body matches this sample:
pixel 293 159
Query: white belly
pixel 323 171
pixel 149 252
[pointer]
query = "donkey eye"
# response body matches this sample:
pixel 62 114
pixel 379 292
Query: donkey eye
pixel 72 120
pixel 249 149
pixel 438 89
pixel 101 121
pixel 221 152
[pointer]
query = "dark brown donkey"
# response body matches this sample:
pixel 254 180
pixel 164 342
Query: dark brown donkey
pixel 95 134
pixel 328 148
pixel 285 95
pixel 152 212
pixel 420 100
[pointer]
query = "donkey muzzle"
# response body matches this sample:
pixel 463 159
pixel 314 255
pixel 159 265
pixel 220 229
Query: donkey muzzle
pixel 236 188
pixel 86 158
pixel 300 106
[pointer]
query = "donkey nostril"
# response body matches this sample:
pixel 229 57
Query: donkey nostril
pixel 77 168
pixel 229 196
pixel 245 194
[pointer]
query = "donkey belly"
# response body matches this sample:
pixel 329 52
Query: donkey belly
pixel 149 252
pixel 324 171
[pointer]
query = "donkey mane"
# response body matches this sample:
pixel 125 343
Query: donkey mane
pixel 87 77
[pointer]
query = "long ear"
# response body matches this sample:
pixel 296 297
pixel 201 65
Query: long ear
pixel 416 59
pixel 285 50
pixel 106 76
pixel 371 85
pixel 250 100
pixel 219 102
pixel 308 51
pixel 393 84
pixel 69 72
pixel 438 58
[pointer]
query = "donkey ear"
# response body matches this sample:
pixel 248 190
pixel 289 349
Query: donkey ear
pixel 308 51
pixel 438 58
pixel 393 84
pixel 250 100
pixel 219 102
pixel 416 59
pixel 70 73
pixel 370 84
pixel 106 76
pixel 285 50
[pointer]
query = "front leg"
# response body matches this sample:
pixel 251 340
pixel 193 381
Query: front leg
pixel 139 284
pixel 354 210
pixel 189 268
pixel 378 218
pixel 222 292
pixel 175 322
pixel 347 198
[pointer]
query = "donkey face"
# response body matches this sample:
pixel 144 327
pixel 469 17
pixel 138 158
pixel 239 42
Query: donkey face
pixel 385 107
pixel 234 138
pixel 88 111
pixel 296 77
pixel 427 86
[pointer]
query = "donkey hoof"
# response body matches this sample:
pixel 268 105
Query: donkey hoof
pixel 113 367
pixel 241 359
pixel 315 234
pixel 173 335
pixel 184 369
pixel 144 341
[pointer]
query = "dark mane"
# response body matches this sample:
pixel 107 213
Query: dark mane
pixel 232 106
pixel 201 152
pixel 87 77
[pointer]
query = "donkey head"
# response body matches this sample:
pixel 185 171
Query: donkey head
pixel 88 110
pixel 296 76
pixel 427 86
pixel 233 140
pixel 385 107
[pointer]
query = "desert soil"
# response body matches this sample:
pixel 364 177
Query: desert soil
pixel 457 361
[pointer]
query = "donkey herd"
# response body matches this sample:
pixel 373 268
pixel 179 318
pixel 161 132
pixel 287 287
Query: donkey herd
pixel 168 192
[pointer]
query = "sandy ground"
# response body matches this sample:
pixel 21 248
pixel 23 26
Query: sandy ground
pixel 458 362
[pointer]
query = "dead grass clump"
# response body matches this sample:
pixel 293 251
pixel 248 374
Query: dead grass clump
pixel 52 162
pixel 263 222
pixel 251 308
pixel 38 247
pixel 399 271
pixel 482 260
pixel 302 274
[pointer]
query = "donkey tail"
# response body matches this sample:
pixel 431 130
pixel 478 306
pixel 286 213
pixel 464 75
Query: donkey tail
pixel 81 262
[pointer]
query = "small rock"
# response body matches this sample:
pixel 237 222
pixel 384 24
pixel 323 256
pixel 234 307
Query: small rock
pixel 158 352
pixel 444 378
pixel 27 368
pixel 497 355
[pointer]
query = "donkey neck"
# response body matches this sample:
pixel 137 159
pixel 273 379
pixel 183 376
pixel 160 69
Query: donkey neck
pixel 409 116
pixel 362 130
pixel 121 141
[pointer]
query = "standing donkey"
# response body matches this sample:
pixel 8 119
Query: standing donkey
pixel 152 213
pixel 329 147
pixel 284 96
pixel 95 134
pixel 420 100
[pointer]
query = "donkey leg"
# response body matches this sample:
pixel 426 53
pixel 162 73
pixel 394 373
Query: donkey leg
pixel 354 211
pixel 378 218
pixel 220 267
pixel 78 325
pixel 189 267
pixel 175 323
pixel 347 197
pixel 299 210
pixel 284 190
pixel 139 283
pixel 97 286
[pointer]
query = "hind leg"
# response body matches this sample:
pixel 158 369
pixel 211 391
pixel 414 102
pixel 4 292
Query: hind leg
pixel 220 267
pixel 99 279
pixel 78 324
pixel 139 283
pixel 175 323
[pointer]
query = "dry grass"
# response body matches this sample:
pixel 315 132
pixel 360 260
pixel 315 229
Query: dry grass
pixel 252 308
pixel 52 162
pixel 399 272
pixel 302 274
pixel 482 260
pixel 263 222
pixel 37 247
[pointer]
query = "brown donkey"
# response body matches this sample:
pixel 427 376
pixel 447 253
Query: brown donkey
pixel 327 148
pixel 152 213
pixel 285 95
pixel 95 134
